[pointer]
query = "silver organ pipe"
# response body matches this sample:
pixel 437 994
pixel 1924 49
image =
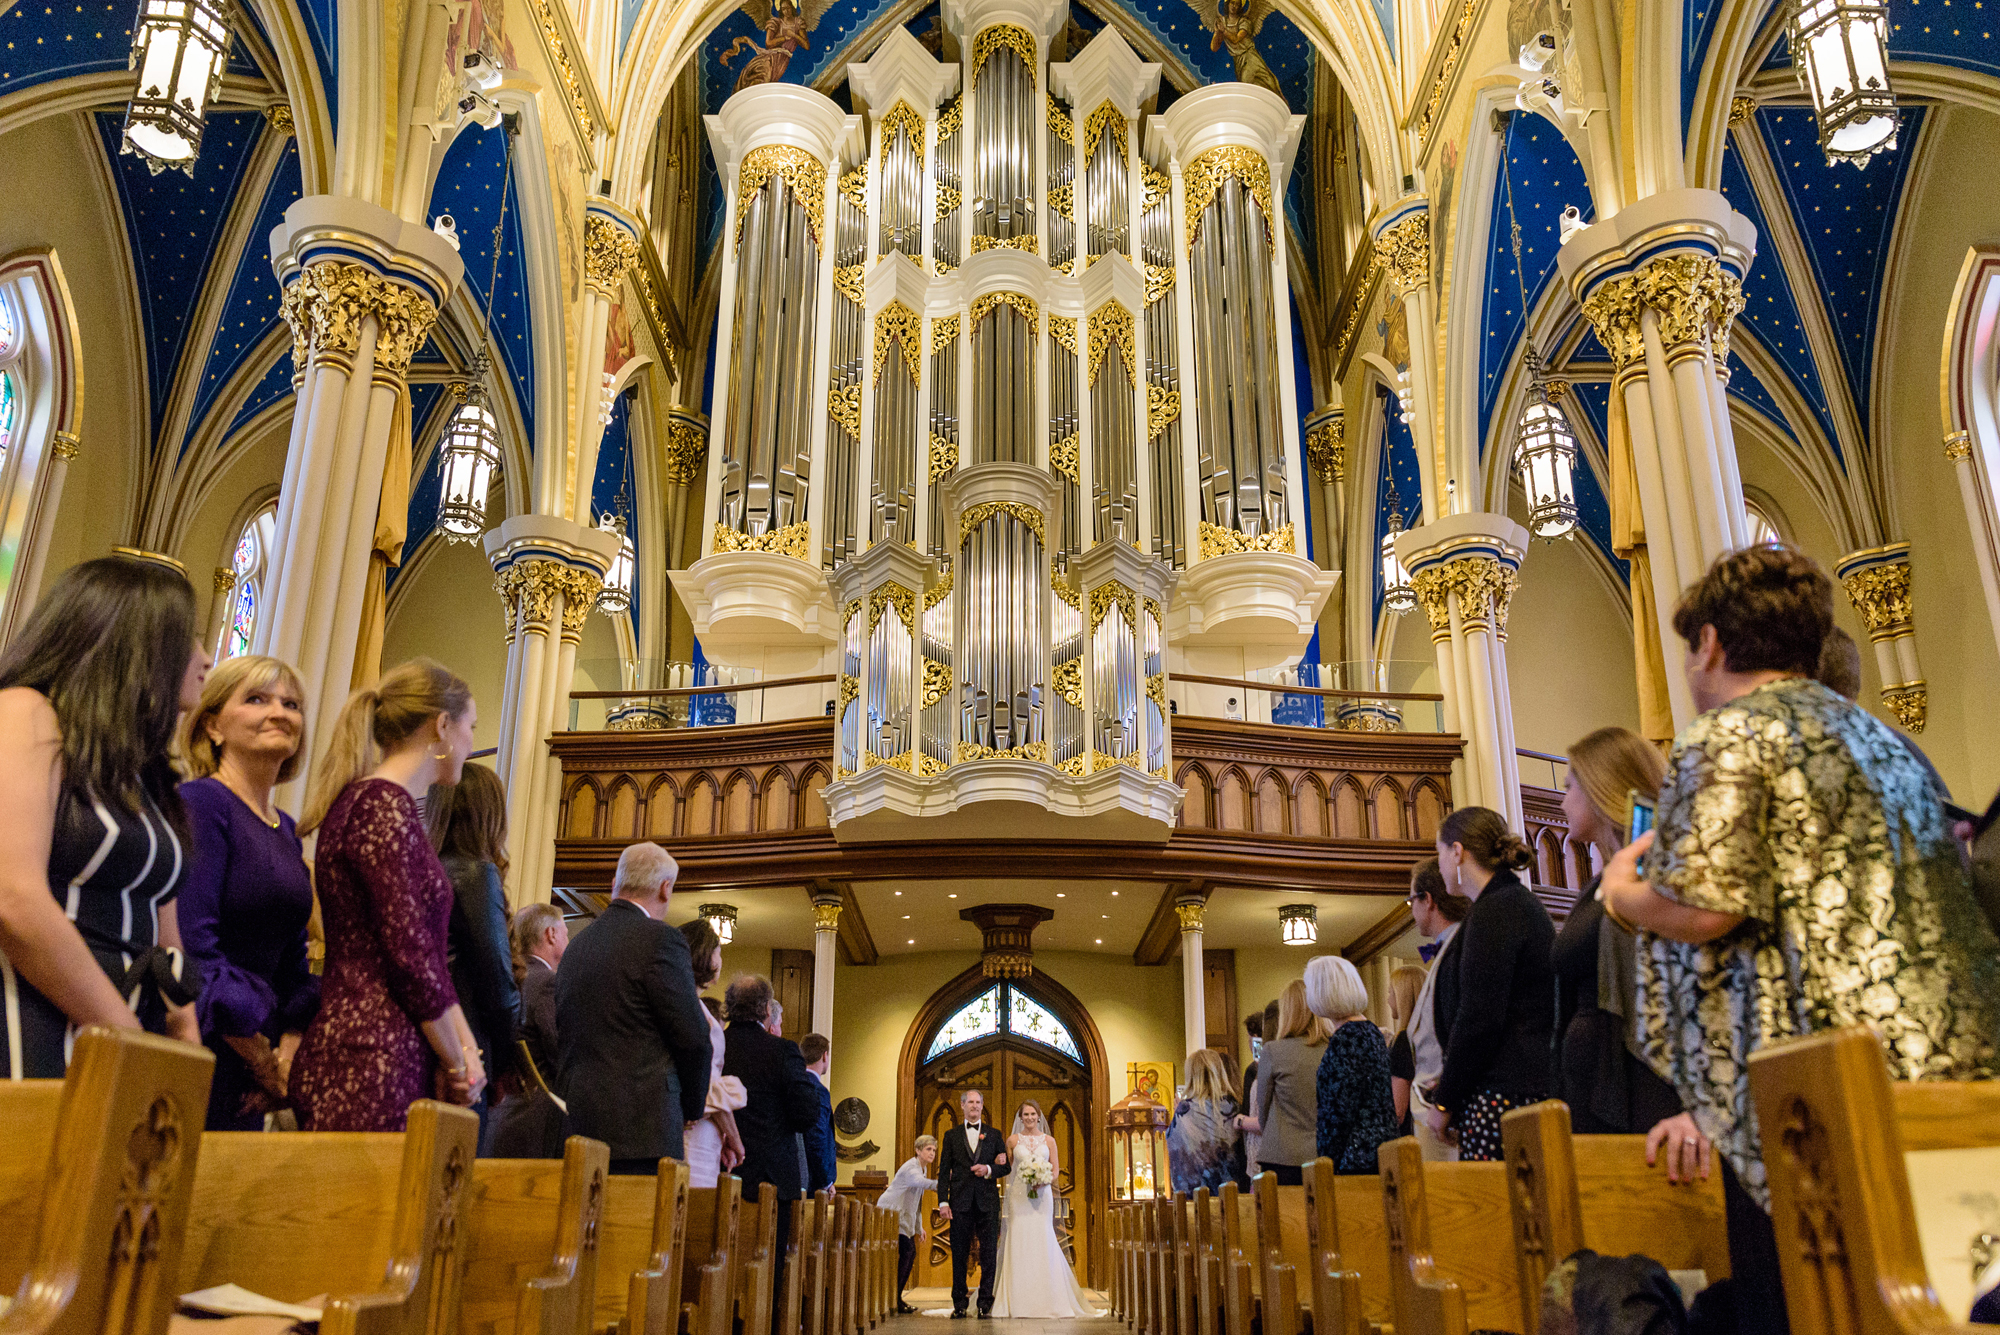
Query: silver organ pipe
pixel 1062 186
pixel 767 450
pixel 1001 588
pixel 1163 389
pixel 940 703
pixel 1113 438
pixel 1005 115
pixel 944 436
pixel 848 365
pixel 1066 739
pixel 944 230
pixel 1107 176
pixel 898 351
pixel 1003 381
pixel 1064 429
pixel 1242 461
pixel 902 187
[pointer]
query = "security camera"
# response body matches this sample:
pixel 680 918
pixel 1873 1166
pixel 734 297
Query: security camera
pixel 482 72
pixel 1570 223
pixel 1541 49
pixel 481 110
pixel 447 227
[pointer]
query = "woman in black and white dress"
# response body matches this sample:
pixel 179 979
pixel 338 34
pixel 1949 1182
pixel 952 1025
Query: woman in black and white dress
pixel 94 844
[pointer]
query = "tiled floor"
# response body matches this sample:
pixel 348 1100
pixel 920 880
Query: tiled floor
pixel 939 1300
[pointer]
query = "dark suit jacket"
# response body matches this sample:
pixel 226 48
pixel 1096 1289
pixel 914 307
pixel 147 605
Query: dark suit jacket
pixel 822 1163
pixel 482 963
pixel 538 1015
pixel 958 1186
pixel 783 1102
pixel 529 1125
pixel 632 1043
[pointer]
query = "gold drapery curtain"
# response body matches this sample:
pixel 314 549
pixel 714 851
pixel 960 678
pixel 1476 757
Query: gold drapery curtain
pixel 1628 539
pixel 392 526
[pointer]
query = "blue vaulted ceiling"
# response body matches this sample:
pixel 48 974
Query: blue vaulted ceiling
pixel 471 186
pixel 1396 461
pixel 1592 401
pixel 41 40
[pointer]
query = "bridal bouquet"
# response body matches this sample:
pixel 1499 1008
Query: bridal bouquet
pixel 1037 1174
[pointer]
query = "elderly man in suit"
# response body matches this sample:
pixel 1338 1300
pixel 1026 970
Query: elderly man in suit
pixel 782 1097
pixel 632 1042
pixel 529 1124
pixel 970 1165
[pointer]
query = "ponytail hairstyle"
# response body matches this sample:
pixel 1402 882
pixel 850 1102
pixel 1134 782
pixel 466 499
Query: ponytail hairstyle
pixel 1610 764
pixel 1483 834
pixel 375 721
pixel 108 645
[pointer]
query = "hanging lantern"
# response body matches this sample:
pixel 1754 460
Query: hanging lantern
pixel 1840 50
pixel 1397 595
pixel 1138 1129
pixel 1299 924
pixel 178 49
pixel 1545 452
pixel 471 452
pixel 616 595
pixel 722 917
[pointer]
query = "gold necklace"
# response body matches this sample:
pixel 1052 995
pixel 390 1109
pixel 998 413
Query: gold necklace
pixel 272 821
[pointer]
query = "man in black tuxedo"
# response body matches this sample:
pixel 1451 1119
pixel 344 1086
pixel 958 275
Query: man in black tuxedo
pixel 971 1160
pixel 633 1054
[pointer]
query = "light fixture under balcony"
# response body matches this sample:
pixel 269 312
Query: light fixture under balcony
pixel 722 917
pixel 1300 923
pixel 1545 454
pixel 1397 595
pixel 178 49
pixel 1840 49
pixel 616 595
pixel 470 453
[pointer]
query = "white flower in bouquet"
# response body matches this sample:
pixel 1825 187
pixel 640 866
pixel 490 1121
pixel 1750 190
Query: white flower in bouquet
pixel 1037 1174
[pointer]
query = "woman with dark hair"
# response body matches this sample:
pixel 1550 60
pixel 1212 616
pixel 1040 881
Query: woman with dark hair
pixel 712 1145
pixel 1438 914
pixel 468 827
pixel 1496 992
pixel 95 840
pixel 248 899
pixel 390 1029
pixel 1800 877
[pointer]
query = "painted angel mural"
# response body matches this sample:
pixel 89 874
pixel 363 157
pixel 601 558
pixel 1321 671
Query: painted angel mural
pixel 785 27
pixel 1235 24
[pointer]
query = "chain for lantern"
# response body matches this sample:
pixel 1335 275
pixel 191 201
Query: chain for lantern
pixel 1544 445
pixel 471 451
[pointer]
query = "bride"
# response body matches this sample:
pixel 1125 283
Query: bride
pixel 1034 1279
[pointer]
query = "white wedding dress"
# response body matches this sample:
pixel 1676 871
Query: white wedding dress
pixel 1034 1279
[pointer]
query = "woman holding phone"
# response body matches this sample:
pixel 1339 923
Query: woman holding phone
pixel 1600 1071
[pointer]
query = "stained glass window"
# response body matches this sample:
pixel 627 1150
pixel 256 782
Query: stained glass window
pixel 1763 533
pixel 1031 1019
pixel 250 562
pixel 6 405
pixel 6 329
pixel 246 554
pixel 1004 1007
pixel 976 1019
pixel 243 620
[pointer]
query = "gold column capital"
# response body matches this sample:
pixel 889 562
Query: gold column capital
pixel 1958 447
pixel 1190 912
pixel 64 445
pixel 330 300
pixel 608 251
pixel 1881 596
pixel 1406 250
pixel 1741 107
pixel 225 580
pixel 528 591
pixel 687 447
pixel 279 117
pixel 826 914
pixel 1910 702
pixel 1326 450
pixel 1484 585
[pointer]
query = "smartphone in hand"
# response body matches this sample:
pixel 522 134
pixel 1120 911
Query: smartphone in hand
pixel 1642 814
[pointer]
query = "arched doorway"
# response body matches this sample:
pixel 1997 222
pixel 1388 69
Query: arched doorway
pixel 1010 1039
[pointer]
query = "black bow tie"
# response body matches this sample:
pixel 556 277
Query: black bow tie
pixel 972 1126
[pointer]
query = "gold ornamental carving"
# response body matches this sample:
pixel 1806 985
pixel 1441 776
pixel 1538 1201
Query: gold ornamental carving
pixel 1063 330
pixel 1910 702
pixel 1152 609
pixel 794 540
pixel 1010 37
pixel 944 333
pixel 1110 323
pixel 327 303
pixel 1406 249
pixel 1214 540
pixel 64 445
pixel 1613 311
pixel 1958 447
pixel 906 118
pixel 643 721
pixel 910 762
pixel 854 187
pixel 1105 120
pixel 1454 52
pixel 1027 242
pixel 1020 301
pixel 1881 595
pixel 1484 586
pixel 850 687
pixel 1113 594
pixel 937 682
pixel 848 281
pixel 948 200
pixel 952 118
pixel 279 117
pixel 944 456
pixel 897 324
pixel 1741 108
pixel 1159 281
pixel 843 405
pixel 892 596
pixel 608 251
pixel 1684 290
pixel 1059 122
pixel 1190 913
pixel 804 173
pixel 847 616
pixel 1062 199
pixel 1025 751
pixel 1066 593
pixel 1156 688
pixel 1156 183
pixel 826 912
pixel 938 592
pixel 1163 409
pixel 1694 298
pixel 579 589
pixel 1100 761
pixel 1067 680
pixel 687 448
pixel 559 56
pixel 225 580
pixel 1365 723
pixel 979 514
pixel 1326 450
pixel 1729 304
pixel 1064 456
pixel 1204 177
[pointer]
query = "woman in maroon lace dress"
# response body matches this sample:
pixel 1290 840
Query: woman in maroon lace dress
pixel 389 1029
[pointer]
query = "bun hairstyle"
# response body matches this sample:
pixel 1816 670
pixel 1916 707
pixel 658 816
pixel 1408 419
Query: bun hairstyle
pixel 1484 836
pixel 1771 607
pixel 1610 763
pixel 375 721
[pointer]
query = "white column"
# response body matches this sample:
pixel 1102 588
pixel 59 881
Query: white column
pixel 610 247
pixel 1194 991
pixel 362 288
pixel 1958 453
pixel 826 939
pixel 1877 581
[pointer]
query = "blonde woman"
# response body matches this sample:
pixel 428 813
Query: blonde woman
pixel 1285 1107
pixel 389 1030
pixel 1406 984
pixel 247 898
pixel 1601 1072
pixel 1204 1147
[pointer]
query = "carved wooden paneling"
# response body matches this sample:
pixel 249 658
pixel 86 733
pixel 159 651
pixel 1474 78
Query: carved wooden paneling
pixel 1562 862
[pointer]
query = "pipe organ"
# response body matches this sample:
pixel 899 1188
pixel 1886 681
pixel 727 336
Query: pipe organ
pixel 1001 356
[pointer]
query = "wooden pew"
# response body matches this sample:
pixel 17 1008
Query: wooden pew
pixel 817 1305
pixel 793 1254
pixel 1568 1192
pixel 653 1291
pixel 1278 1280
pixel 98 1241
pixel 531 1251
pixel 708 1265
pixel 1211 1298
pixel 1425 1302
pixel 1835 1132
pixel 1333 1287
pixel 757 1245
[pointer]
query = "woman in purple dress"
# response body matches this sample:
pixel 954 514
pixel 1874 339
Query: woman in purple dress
pixel 389 1029
pixel 247 899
